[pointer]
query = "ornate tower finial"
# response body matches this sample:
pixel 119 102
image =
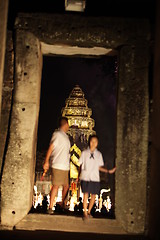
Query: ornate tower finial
pixel 79 115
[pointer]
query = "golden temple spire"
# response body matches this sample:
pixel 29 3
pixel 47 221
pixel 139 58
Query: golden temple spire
pixel 79 115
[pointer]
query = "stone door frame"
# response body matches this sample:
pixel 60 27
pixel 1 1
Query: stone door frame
pixel 33 33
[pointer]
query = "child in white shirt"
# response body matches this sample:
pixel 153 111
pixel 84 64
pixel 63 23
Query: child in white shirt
pixel 91 162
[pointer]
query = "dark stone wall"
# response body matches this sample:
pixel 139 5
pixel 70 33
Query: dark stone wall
pixel 154 204
pixel 3 33
pixel 7 90
pixel 132 138
pixel 85 31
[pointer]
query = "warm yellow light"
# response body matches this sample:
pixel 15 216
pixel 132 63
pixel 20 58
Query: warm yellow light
pixel 73 171
pixel 76 149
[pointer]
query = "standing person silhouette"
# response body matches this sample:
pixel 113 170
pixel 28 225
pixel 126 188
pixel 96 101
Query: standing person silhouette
pixel 91 162
pixel 59 153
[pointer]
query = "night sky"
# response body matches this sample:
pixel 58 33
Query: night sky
pixel 97 78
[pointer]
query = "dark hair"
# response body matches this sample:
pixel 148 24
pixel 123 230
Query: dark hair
pixel 62 121
pixel 90 138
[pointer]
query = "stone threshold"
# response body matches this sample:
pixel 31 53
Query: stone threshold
pixel 69 224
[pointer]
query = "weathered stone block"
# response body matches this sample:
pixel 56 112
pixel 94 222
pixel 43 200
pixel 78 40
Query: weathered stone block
pixel 3 27
pixel 6 95
pixel 19 167
pixel 132 142
pixel 19 164
pixel 28 68
pixel 84 31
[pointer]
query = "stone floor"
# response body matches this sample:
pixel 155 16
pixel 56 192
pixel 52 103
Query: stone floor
pixel 69 224
pixel 42 226
pixel 57 227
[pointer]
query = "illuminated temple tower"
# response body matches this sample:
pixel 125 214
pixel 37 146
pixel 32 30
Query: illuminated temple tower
pixel 81 127
pixel 79 116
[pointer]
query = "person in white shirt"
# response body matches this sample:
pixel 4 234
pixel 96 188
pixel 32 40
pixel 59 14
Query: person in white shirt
pixel 91 162
pixel 59 154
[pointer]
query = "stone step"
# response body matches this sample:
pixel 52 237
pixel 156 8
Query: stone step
pixel 69 224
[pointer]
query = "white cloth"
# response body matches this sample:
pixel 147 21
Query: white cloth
pixel 90 166
pixel 60 157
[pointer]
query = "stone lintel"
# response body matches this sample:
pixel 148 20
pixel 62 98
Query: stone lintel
pixel 77 30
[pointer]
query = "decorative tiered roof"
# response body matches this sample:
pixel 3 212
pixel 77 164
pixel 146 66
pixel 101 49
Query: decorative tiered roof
pixel 79 115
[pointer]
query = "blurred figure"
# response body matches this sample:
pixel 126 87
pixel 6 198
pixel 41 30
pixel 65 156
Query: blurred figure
pixel 44 204
pixel 80 206
pixel 59 152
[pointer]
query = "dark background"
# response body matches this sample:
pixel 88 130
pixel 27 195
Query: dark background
pixel 97 78
pixel 109 8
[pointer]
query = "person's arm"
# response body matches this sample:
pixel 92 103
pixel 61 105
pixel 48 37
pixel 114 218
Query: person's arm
pixel 80 160
pixel 79 172
pixel 46 162
pixel 105 170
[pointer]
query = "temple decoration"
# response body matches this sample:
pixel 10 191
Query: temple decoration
pixel 79 116
pixel 81 127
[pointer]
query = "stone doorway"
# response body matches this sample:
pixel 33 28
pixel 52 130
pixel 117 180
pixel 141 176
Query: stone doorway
pixel 96 77
pixel 37 35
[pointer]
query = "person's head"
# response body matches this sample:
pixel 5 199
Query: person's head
pixel 63 124
pixel 93 142
pixel 45 197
